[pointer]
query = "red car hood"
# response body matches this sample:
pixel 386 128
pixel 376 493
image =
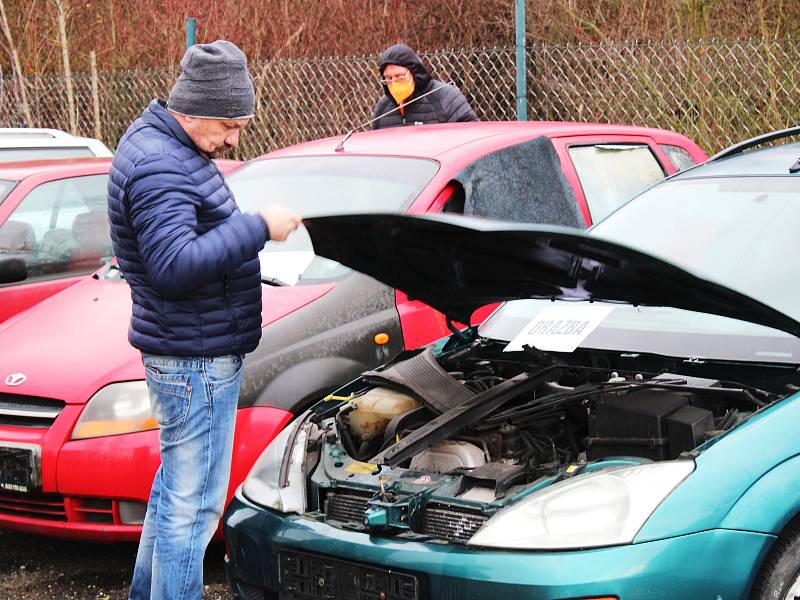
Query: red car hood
pixel 76 342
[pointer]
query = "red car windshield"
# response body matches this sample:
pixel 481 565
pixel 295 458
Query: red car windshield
pixel 323 185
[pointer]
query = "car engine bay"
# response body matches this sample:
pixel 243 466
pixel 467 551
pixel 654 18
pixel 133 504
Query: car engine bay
pixel 430 446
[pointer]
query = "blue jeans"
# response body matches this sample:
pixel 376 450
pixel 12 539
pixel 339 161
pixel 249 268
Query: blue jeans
pixel 195 401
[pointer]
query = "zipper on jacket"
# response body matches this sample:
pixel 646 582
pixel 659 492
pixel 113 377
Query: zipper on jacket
pixel 227 280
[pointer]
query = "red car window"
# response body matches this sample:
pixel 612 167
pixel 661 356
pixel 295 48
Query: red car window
pixel 611 174
pixel 60 228
pixel 679 157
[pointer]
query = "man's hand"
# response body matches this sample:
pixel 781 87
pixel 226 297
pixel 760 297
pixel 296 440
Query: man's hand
pixel 281 221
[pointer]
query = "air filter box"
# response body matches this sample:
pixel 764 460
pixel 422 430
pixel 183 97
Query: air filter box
pixel 650 423
pixel 686 428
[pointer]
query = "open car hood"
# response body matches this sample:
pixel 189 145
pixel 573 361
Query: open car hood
pixel 457 264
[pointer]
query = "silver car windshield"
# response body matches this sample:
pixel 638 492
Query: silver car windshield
pixel 320 185
pixel 738 231
pixel 657 330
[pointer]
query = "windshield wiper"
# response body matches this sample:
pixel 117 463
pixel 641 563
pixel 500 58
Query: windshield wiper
pixel 110 266
pixel 273 281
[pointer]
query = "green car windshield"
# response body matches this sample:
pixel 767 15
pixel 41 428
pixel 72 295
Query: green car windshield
pixel 321 185
pixel 737 231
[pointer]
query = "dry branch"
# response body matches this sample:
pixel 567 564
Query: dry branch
pixel 26 109
pixel 95 95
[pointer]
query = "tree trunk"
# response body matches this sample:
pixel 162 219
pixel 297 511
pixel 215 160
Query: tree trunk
pixel 23 93
pixel 62 29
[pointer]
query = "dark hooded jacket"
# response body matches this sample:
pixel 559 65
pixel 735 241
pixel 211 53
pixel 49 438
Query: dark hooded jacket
pixel 445 106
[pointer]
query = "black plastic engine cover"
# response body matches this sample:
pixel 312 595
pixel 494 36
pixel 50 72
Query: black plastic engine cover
pixel 649 423
pixel 686 428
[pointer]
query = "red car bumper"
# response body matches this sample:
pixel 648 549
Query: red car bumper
pixel 96 489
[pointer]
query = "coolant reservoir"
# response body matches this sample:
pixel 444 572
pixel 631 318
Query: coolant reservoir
pixel 375 409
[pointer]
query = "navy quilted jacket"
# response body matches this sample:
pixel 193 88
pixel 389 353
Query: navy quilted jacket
pixel 189 255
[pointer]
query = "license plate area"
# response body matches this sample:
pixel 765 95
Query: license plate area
pixel 313 577
pixel 20 467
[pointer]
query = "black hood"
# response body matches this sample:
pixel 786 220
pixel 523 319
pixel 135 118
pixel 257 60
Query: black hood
pixel 457 264
pixel 402 55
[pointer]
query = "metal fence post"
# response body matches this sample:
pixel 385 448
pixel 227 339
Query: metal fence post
pixel 191 32
pixel 522 92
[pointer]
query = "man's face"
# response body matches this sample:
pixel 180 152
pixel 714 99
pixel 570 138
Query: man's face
pixel 395 73
pixel 215 137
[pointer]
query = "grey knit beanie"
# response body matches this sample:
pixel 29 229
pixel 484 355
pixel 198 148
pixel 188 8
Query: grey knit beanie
pixel 214 83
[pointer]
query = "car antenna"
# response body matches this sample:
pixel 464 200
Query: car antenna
pixel 340 145
pixel 795 168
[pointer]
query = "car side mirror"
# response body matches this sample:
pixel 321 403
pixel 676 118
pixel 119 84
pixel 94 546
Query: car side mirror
pixel 13 270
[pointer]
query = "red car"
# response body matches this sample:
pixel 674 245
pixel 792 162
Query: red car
pixel 53 218
pixel 78 438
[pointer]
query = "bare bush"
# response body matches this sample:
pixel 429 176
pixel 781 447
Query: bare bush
pixel 150 34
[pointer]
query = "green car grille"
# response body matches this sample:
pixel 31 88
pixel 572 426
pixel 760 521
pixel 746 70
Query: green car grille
pixel 439 521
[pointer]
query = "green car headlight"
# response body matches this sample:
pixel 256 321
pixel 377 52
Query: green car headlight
pixel 115 409
pixel 603 508
pixel 287 451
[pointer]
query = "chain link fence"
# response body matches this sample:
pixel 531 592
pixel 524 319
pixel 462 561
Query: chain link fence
pixel 716 92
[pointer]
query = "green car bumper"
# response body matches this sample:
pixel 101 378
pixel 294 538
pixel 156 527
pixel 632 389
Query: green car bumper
pixel 717 564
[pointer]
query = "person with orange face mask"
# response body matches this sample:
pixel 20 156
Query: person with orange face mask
pixel 404 79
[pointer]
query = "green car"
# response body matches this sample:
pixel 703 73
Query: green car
pixel 621 426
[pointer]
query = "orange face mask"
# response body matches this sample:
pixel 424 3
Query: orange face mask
pixel 401 90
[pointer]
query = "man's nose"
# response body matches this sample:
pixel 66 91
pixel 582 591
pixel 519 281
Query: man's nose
pixel 233 139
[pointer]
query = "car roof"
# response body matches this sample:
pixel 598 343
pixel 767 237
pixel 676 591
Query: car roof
pixel 65 166
pixel 22 169
pixel 772 160
pixel 431 141
pixel 14 140
pixel 32 132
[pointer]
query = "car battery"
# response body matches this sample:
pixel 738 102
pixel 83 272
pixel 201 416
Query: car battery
pixel 649 423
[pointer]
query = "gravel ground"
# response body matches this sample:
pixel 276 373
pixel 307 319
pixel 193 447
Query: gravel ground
pixel 37 568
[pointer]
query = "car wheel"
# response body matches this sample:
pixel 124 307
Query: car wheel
pixel 779 577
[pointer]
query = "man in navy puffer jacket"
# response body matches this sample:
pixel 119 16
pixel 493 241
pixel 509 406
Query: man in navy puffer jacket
pixel 191 260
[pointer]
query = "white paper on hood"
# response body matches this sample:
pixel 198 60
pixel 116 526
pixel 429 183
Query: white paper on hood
pixel 560 328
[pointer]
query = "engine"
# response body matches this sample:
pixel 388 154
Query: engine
pixel 500 422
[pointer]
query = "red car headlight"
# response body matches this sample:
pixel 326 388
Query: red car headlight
pixel 116 409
